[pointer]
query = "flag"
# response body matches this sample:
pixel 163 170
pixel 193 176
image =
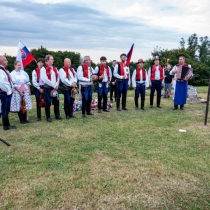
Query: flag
pixel 129 55
pixel 23 55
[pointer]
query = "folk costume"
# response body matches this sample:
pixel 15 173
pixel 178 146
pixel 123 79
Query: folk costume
pixel 112 87
pixel 68 76
pixel 50 77
pixel 156 80
pixel 140 81
pixel 38 84
pixel 181 84
pixel 122 75
pixel 84 74
pixel 6 88
pixel 103 85
pixel 21 82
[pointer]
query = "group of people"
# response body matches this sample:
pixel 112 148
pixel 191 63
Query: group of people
pixel 15 94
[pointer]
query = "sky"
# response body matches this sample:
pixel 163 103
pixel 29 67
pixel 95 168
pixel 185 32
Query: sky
pixel 101 28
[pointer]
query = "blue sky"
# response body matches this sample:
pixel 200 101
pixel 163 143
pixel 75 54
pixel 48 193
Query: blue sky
pixel 101 28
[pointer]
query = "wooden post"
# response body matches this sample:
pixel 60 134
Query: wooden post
pixel 207 104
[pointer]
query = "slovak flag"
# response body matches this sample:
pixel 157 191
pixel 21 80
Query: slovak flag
pixel 129 55
pixel 23 55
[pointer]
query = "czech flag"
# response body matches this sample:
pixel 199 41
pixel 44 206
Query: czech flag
pixel 23 55
pixel 129 55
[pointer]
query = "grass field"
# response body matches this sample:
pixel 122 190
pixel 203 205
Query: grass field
pixel 118 160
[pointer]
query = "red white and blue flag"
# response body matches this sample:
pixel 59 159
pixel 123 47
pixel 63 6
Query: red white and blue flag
pixel 129 55
pixel 23 55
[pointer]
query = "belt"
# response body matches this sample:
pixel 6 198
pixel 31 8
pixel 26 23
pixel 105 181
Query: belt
pixel 85 85
pixel 41 86
pixel 180 80
pixel 140 83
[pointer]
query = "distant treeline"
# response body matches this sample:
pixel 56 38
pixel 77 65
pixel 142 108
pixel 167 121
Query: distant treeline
pixel 196 51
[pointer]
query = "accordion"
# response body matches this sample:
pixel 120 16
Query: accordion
pixel 184 73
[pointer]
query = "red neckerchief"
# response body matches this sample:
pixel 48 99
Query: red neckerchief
pixel 48 68
pixel 85 70
pixel 101 70
pixel 38 73
pixel 138 75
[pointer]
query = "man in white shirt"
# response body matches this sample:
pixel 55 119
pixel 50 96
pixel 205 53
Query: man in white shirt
pixel 104 77
pixel 50 77
pixel 122 75
pixel 140 83
pixel 68 78
pixel 84 73
pixel 6 90
pixel 156 80
pixel 39 86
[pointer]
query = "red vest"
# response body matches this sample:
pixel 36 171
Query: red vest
pixel 153 69
pixel 101 71
pixel 138 75
pixel 121 71
pixel 48 69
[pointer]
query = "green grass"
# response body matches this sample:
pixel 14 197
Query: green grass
pixel 117 160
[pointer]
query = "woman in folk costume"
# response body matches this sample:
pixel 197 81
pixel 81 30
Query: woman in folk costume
pixel 104 77
pixel 39 87
pixel 140 83
pixel 69 80
pixel 182 73
pixel 22 91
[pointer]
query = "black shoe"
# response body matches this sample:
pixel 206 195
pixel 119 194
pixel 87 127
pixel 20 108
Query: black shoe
pixel 23 122
pixel 159 107
pixel 26 121
pixel 90 113
pixel 105 110
pixel 142 108
pixel 150 106
pixel 38 119
pixel 136 108
pixel 118 109
pixel 58 118
pixel 182 108
pixel 99 111
pixel 73 116
pixel 175 108
pixel 49 119
pixel 124 108
pixel 67 117
pixel 9 127
pixel 83 115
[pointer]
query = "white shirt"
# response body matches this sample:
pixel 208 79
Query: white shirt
pixel 36 83
pixel 157 74
pixel 70 80
pixel 52 83
pixel 5 85
pixel 105 79
pixel 126 72
pixel 19 78
pixel 83 80
pixel 141 81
